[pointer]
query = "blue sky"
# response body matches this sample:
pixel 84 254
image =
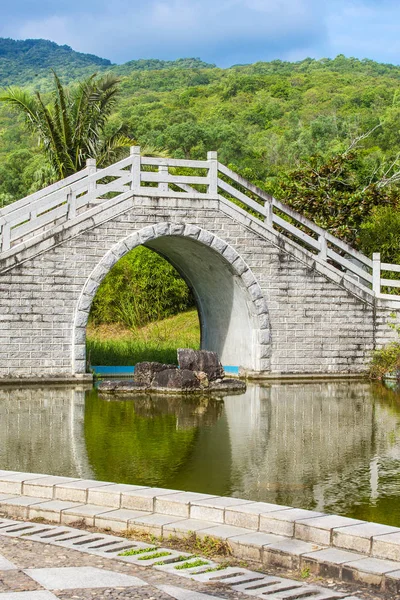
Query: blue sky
pixel 224 32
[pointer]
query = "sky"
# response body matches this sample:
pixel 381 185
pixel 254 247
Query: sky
pixel 224 32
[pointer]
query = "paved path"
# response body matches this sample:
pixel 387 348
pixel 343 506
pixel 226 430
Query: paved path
pixel 46 562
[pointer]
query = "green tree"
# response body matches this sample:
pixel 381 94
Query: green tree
pixel 73 126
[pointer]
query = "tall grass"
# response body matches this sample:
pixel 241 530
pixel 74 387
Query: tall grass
pixel 113 345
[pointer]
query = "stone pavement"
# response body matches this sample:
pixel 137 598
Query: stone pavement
pixel 49 562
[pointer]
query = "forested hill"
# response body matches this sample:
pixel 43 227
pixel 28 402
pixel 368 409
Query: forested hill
pixel 29 63
pixel 23 62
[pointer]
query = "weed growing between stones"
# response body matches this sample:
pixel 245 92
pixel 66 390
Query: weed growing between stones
pixel 134 552
pixel 155 555
pixel 188 565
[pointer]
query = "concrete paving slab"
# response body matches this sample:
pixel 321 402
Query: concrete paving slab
pixel 386 546
pixel 39 595
pixel 70 578
pixel 374 565
pixel 178 504
pixel 359 537
pixel 110 495
pixel 287 554
pixel 283 522
pixel 6 565
pixel 248 515
pixel 319 529
pixel 182 594
pixel 334 556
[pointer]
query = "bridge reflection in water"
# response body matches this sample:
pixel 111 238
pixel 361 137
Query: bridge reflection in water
pixel 332 446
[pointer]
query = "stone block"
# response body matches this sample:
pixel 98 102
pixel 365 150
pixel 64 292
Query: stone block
pixel 76 491
pixel 287 554
pixel 117 520
pixel 12 483
pixel 359 537
pixel 143 499
pixel 200 361
pixel 370 571
pixel 283 522
pixel 328 562
pixel 110 495
pixel 178 504
pixel 214 510
pixel 18 508
pixel 386 546
pixel 185 528
pixel 153 524
pixel 85 513
pixel 320 529
pixel 248 515
pixel 250 545
pixel 51 510
pixel 223 532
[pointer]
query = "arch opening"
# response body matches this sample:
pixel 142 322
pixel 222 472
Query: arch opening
pixel 232 311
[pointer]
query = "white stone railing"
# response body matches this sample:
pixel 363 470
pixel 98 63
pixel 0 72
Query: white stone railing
pixel 165 177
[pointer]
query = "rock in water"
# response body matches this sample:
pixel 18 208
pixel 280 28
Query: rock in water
pixel 121 386
pixel 175 379
pixel 145 371
pixel 201 360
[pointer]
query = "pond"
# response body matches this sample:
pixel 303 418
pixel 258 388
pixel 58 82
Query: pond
pixel 328 446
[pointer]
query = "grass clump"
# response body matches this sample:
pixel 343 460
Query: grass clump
pixel 135 551
pixel 155 555
pixel 188 565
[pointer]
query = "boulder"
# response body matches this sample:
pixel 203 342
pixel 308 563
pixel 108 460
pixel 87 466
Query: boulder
pixel 228 385
pixel 145 371
pixel 123 386
pixel 175 379
pixel 201 360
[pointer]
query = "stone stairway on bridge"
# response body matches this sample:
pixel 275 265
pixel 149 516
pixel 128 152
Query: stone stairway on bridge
pixel 82 196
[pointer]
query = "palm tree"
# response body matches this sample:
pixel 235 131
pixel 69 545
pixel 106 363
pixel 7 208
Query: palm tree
pixel 72 127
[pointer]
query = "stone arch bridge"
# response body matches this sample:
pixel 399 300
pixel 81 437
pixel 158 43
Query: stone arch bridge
pixel 276 294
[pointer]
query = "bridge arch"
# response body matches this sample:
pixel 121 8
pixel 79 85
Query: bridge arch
pixel 232 310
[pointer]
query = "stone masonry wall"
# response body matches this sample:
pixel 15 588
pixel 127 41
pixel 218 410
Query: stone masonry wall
pixel 316 324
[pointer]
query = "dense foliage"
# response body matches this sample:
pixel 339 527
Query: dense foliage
pixel 140 288
pixel 72 128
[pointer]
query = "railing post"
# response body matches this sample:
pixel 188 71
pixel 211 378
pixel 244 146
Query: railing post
pixel 323 247
pixel 92 169
pixel 269 214
pixel 5 237
pixel 376 272
pixel 212 158
pixel 163 185
pixel 71 202
pixel 136 166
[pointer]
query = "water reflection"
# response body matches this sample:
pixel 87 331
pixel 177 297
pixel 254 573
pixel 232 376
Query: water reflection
pixel 334 447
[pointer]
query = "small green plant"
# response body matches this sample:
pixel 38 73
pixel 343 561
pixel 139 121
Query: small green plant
pixel 305 573
pixel 199 562
pixel 135 551
pixel 155 555
pixel 220 567
pixel 387 359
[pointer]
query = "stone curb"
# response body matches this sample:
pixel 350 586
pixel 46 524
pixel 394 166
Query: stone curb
pixel 328 545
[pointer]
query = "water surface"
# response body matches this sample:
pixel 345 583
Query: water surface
pixel 328 446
